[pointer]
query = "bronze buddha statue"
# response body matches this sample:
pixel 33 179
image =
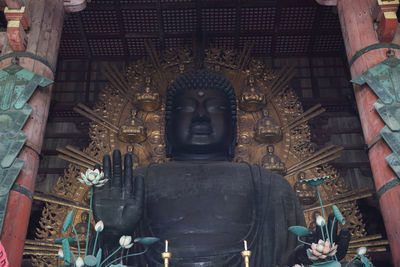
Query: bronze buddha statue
pixel 147 98
pixel 133 131
pixel 251 98
pixel 272 162
pixel 201 202
pixel 267 130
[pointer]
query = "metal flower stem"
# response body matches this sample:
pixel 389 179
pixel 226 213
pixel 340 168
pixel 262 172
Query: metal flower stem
pixel 323 214
pixel 90 217
pixel 109 256
pixel 95 242
pixel 77 240
pixel 333 223
pixel 355 257
pixel 322 232
pixel 301 241
pixel 129 255
pixel 122 254
pixel 73 256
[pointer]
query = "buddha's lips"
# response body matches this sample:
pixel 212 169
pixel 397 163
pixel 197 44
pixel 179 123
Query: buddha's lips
pixel 200 128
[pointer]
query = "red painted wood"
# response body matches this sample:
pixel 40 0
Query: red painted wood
pixel 358 32
pixel 387 29
pixel 43 40
pixel 17 14
pixel 14 4
pixel 16 37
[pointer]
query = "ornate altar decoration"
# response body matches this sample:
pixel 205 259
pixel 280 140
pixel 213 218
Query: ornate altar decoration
pixel 129 115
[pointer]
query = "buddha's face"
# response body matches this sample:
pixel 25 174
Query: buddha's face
pixel 201 123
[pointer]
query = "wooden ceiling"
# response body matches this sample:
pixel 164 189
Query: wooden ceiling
pixel 277 28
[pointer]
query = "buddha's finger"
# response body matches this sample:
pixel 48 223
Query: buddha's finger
pixel 127 181
pixel 139 188
pixel 107 168
pixel 117 169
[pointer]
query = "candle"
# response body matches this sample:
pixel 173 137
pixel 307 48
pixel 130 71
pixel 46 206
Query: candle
pixel 166 245
pixel 245 244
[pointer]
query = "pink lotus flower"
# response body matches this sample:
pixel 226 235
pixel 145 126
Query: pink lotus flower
pixel 321 250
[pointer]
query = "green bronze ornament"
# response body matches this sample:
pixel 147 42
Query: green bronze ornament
pixel 17 86
pixel 11 143
pixel 390 114
pixel 15 119
pixel 7 179
pixel 384 80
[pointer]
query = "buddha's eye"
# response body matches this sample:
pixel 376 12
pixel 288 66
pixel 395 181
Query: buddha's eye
pixel 216 108
pixel 216 104
pixel 185 109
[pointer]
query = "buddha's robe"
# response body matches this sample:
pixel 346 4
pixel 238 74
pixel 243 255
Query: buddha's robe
pixel 207 209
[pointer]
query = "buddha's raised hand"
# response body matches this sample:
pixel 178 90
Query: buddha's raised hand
pixel 119 203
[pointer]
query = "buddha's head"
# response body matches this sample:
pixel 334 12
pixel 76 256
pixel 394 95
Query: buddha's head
pixel 200 118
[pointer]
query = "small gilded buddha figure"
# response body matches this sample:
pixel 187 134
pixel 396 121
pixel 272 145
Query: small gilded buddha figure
pixel 252 98
pixel 147 99
pixel 267 131
pixel 306 193
pixel 133 131
pixel 272 162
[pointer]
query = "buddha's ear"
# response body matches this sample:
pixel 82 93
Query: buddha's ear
pixel 168 147
pixel 231 148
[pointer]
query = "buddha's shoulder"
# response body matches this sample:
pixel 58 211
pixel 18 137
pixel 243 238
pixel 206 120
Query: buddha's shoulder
pixel 277 182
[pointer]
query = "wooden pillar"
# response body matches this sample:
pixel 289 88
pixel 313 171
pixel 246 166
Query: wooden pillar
pixel 43 39
pixel 358 32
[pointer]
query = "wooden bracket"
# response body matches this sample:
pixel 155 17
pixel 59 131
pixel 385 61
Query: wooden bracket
pixel 18 23
pixel 385 16
pixel 16 36
pixel 18 14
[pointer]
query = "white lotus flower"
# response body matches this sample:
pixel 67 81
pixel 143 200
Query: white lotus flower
pixel 298 265
pixel 321 250
pixel 93 177
pixel 125 241
pixel 79 262
pixel 320 220
pixel 61 253
pixel 361 251
pixel 99 226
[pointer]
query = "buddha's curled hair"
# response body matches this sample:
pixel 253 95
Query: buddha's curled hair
pixel 199 80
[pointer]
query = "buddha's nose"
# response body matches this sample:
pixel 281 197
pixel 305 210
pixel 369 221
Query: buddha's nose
pixel 201 112
pixel 201 115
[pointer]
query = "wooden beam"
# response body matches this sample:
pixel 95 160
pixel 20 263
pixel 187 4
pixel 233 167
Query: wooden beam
pixel 121 27
pixel 59 171
pixel 160 25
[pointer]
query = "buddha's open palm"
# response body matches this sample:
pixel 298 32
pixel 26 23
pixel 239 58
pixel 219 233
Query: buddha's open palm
pixel 119 203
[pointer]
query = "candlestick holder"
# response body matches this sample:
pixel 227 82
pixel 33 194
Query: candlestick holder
pixel 246 256
pixel 166 256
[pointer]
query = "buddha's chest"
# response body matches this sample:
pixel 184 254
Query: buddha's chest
pixel 199 202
